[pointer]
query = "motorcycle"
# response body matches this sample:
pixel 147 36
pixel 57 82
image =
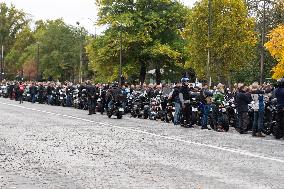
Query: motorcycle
pixel 116 110
pixel 221 121
pixel 269 122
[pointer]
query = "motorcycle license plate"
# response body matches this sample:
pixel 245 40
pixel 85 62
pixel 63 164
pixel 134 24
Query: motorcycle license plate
pixel 61 98
pixel 223 110
pixel 121 109
pixel 194 109
pixel 28 95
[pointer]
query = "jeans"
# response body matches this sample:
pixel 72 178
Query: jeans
pixel 49 99
pixel 186 112
pixel 258 121
pixel 177 113
pixel 68 101
pixel 20 98
pixel 243 121
pixel 33 97
pixel 110 104
pixel 206 110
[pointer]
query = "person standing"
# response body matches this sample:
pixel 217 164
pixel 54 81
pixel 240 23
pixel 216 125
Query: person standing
pixel 242 101
pixel 49 90
pixel 33 92
pixel 175 98
pixel 184 96
pixel 92 94
pixel 258 107
pixel 206 100
pixel 20 91
pixel 279 94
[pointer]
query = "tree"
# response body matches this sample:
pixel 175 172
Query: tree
pixel 59 46
pixel 151 32
pixel 232 38
pixel 22 40
pixel 276 49
pixel 268 15
pixel 12 22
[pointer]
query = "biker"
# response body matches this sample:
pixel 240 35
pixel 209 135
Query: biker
pixel 242 101
pixel 41 93
pixel 21 89
pixel 113 95
pixel 206 100
pixel 218 99
pixel 184 96
pixel 258 108
pixel 175 98
pixel 92 95
pixel 49 90
pixel 33 91
pixel 279 94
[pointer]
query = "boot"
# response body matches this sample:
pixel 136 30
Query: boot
pixel 259 134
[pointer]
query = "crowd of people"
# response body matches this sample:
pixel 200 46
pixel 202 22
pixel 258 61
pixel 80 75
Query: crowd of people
pixel 259 108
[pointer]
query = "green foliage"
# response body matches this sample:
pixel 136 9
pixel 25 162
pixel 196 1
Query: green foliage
pixel 59 46
pixel 151 32
pixel 12 23
pixel 267 17
pixel 232 39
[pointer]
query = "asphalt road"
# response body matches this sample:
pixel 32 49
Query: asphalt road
pixel 54 147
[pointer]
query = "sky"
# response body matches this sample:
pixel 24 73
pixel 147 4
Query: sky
pixel 72 11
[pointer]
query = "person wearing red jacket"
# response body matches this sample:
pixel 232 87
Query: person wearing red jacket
pixel 21 89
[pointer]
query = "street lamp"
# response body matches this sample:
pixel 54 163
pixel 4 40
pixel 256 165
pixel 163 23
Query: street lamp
pixel 37 62
pixel 120 57
pixel 209 36
pixel 81 61
pixel 94 23
pixel 2 63
pixel 120 53
pixel 263 33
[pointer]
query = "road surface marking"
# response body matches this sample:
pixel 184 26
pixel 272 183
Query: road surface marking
pixel 237 151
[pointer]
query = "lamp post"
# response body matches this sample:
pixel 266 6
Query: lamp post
pixel 209 36
pixel 262 42
pixel 2 63
pixel 80 53
pixel 37 63
pixel 120 58
pixel 120 53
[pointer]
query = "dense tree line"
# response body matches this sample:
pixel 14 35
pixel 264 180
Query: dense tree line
pixel 160 38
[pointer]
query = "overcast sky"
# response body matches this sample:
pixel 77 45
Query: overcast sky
pixel 83 11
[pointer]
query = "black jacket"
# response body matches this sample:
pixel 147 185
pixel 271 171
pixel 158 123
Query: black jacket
pixel 33 90
pixel 185 91
pixel 279 93
pixel 242 100
pixel 175 95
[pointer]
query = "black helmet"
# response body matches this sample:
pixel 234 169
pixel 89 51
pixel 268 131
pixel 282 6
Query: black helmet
pixel 280 82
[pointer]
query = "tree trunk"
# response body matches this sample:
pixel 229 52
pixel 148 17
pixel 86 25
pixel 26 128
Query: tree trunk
pixel 142 75
pixel 158 75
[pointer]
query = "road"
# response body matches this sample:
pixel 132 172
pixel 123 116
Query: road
pixel 54 147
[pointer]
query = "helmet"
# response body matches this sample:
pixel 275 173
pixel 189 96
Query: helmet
pixel 280 82
pixel 184 79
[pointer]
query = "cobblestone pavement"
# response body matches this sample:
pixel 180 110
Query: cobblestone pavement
pixel 54 147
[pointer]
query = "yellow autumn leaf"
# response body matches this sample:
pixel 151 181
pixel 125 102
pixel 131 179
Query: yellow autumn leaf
pixel 275 46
